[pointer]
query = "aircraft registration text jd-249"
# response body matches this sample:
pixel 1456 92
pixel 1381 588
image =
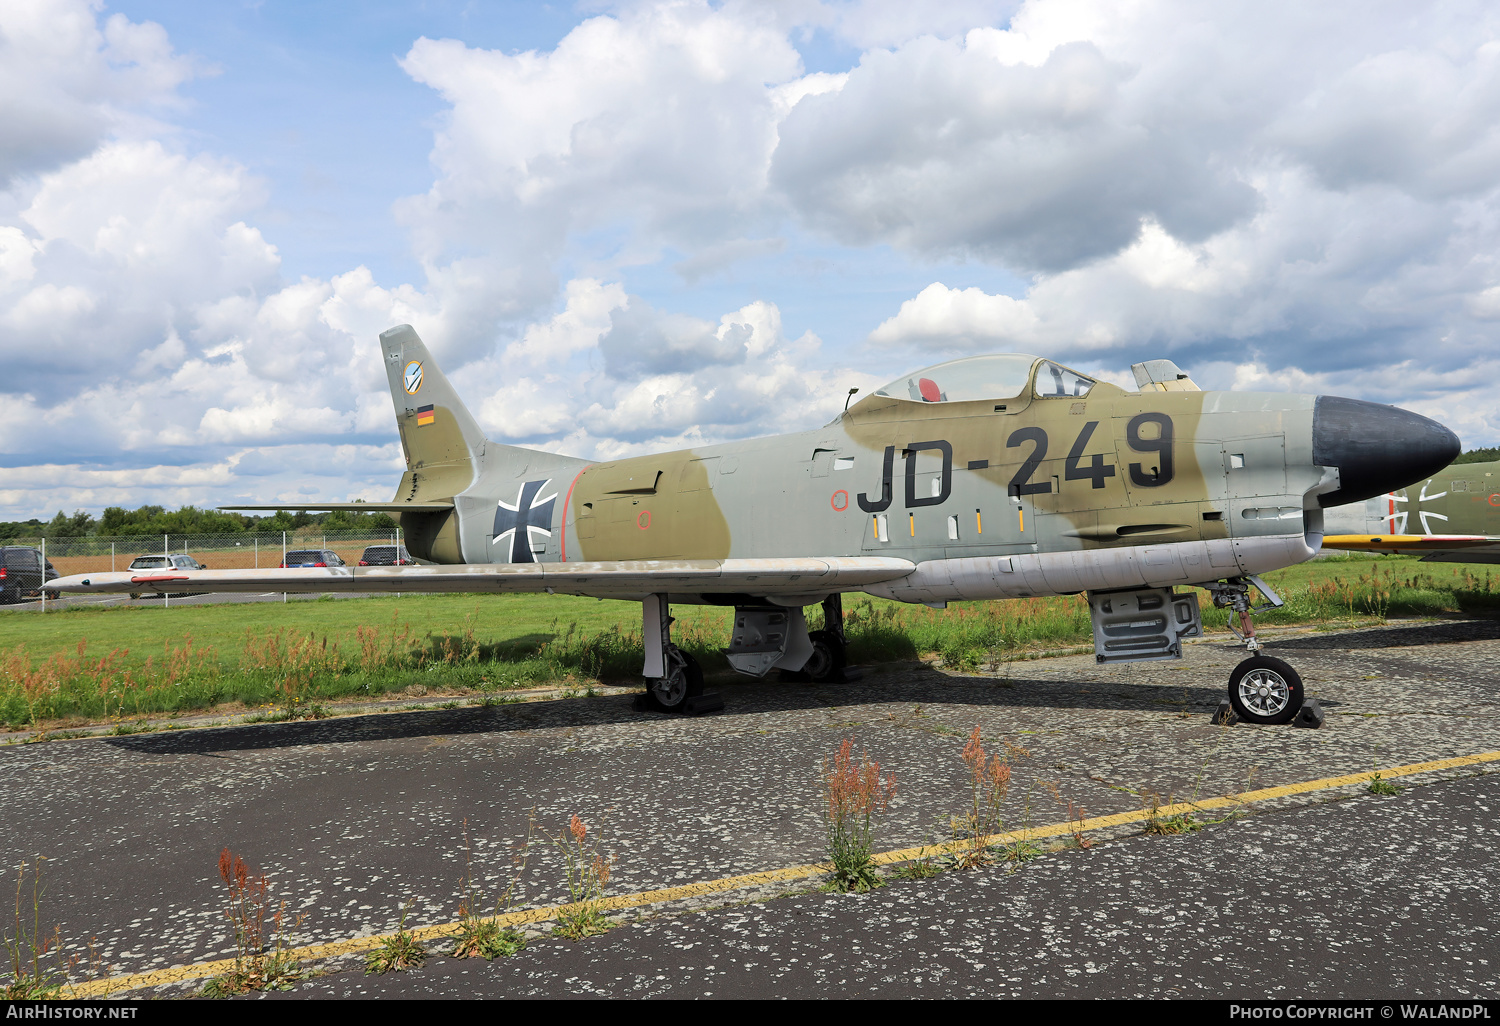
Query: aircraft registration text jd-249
pixel 991 477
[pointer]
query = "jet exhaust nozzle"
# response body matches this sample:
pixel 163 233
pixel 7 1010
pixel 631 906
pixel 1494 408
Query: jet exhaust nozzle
pixel 1376 448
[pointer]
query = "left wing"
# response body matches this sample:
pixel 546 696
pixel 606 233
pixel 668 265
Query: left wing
pixel 617 579
pixel 1433 548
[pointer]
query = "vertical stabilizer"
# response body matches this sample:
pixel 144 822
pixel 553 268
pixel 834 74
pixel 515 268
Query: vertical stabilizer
pixel 502 496
pixel 436 427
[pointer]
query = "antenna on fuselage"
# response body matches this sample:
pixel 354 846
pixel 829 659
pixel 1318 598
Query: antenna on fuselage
pixel 850 396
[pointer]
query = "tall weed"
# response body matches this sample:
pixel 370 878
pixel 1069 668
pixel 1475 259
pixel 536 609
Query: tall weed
pixel 854 794
pixel 262 959
pixel 588 872
pixel 34 974
pixel 989 782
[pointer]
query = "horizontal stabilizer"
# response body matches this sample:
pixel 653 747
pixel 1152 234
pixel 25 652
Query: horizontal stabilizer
pixel 1408 542
pixel 357 507
pixel 616 579
pixel 1433 548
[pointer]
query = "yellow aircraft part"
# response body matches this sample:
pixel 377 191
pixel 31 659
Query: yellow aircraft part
pixel 1376 542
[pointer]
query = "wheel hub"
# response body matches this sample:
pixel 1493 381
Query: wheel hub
pixel 671 689
pixel 1265 692
pixel 819 663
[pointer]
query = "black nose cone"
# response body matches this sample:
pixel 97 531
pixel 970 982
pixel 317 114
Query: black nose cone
pixel 1376 448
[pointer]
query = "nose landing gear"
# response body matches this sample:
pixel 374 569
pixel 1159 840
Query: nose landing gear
pixel 1262 689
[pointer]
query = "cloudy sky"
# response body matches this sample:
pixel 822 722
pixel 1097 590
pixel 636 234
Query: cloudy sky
pixel 634 226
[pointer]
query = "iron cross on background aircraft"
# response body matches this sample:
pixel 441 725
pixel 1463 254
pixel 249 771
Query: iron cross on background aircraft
pixel 1454 517
pixel 1019 477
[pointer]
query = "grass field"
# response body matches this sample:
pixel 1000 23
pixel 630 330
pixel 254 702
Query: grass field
pixel 97 663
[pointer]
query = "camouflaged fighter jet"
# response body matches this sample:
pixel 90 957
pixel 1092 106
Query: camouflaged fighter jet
pixel 1454 517
pixel 989 477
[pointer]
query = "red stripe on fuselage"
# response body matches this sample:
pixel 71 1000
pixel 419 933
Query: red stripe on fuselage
pixel 567 505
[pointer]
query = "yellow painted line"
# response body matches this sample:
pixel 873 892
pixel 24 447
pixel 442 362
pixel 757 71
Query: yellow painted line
pixel 354 945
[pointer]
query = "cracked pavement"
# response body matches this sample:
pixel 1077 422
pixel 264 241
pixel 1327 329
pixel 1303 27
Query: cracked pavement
pixel 353 818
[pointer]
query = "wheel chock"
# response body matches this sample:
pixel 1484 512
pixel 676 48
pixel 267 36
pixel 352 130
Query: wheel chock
pixel 697 705
pixel 1224 715
pixel 1310 715
pixel 700 704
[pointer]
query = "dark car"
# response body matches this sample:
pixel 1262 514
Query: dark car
pixel 386 555
pixel 163 563
pixel 21 573
pixel 311 557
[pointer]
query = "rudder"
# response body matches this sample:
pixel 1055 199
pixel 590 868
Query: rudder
pixel 436 428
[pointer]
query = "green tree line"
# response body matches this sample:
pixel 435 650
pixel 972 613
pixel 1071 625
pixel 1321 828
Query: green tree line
pixel 116 521
pixel 1479 456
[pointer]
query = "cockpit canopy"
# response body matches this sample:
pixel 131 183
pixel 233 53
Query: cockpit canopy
pixel 1003 376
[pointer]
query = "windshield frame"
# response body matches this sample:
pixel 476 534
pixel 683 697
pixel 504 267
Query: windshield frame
pixel 1059 371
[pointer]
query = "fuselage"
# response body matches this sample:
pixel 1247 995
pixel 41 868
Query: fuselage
pixel 1047 491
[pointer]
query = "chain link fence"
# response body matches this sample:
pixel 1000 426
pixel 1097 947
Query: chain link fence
pixel 243 551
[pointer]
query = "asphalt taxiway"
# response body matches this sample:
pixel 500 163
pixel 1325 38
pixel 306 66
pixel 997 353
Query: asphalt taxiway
pixel 1330 893
pixel 1366 898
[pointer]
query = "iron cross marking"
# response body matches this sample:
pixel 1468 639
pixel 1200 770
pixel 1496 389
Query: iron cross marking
pixel 524 517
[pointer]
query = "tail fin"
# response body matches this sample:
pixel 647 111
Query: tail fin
pixel 436 427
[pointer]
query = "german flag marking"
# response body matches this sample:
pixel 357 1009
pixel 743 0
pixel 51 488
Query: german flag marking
pixel 425 416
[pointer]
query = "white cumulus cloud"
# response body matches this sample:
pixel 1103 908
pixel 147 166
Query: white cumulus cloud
pixel 66 81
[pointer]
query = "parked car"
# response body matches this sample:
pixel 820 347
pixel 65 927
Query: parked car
pixel 386 555
pixel 22 573
pixel 164 563
pixel 312 557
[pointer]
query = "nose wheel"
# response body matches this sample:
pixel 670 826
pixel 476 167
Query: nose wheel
pixel 1262 689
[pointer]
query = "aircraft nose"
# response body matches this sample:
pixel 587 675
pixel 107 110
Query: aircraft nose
pixel 1376 448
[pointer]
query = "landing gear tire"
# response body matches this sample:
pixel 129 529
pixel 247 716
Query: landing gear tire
pixel 684 680
pixel 1263 689
pixel 135 594
pixel 828 659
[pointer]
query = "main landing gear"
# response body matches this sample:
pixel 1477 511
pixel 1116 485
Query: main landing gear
pixel 829 651
pixel 674 680
pixel 765 638
pixel 1262 689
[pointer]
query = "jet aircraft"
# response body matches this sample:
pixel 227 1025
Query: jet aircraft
pixel 1453 517
pixel 989 477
